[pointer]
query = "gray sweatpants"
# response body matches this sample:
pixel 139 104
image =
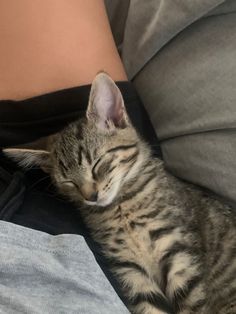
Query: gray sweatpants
pixel 181 56
pixel 45 274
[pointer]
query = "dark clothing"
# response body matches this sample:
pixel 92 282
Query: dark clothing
pixel 27 120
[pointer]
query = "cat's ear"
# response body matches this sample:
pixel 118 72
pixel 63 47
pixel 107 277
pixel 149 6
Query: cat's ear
pixel 29 158
pixel 106 105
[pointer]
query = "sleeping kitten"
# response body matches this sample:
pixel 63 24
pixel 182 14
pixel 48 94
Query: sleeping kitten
pixel 172 247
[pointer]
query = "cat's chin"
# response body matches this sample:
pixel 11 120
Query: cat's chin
pixel 99 203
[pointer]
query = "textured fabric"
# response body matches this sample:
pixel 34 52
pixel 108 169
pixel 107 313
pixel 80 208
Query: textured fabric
pixel 152 24
pixel 51 274
pixel 188 89
pixel 142 28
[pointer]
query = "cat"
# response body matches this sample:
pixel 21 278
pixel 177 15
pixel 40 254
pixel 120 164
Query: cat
pixel 171 246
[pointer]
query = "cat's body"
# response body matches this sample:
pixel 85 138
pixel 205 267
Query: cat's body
pixel 172 247
pixel 169 238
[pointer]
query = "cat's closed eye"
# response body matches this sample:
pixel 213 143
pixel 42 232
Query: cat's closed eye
pixel 69 184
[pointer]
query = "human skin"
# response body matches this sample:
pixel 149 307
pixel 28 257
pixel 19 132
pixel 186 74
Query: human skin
pixel 54 44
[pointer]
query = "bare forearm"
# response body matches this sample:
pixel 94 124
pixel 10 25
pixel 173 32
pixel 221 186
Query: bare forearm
pixel 54 44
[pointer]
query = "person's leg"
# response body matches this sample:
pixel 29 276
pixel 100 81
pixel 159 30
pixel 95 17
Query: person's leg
pixel 188 89
pixel 54 44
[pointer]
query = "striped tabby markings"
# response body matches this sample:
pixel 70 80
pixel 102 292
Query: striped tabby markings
pixel 181 279
pixel 190 296
pixel 134 168
pixel 146 204
pixel 226 275
pixel 164 243
pixel 127 157
pixel 134 224
pixel 178 267
pixel 229 305
pixel 154 213
pixel 121 147
pixel 131 158
pixel 127 265
pixel 224 262
pixel 153 300
pixel 140 188
pixel 221 239
pixel 63 167
pixel 161 232
pixel 84 153
pixel 94 168
pixel 142 290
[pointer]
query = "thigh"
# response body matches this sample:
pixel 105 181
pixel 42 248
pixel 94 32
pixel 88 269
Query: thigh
pixel 189 91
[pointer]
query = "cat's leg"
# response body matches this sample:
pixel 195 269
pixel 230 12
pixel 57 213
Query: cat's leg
pixel 183 282
pixel 143 293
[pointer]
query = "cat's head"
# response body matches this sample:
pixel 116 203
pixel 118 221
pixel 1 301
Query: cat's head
pixel 94 158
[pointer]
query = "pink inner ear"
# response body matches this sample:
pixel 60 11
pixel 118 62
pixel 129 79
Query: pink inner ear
pixel 106 106
pixel 115 113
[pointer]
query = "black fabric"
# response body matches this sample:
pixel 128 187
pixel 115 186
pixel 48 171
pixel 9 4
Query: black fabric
pixel 27 120
pixel 29 199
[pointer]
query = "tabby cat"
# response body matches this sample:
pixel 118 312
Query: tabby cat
pixel 171 246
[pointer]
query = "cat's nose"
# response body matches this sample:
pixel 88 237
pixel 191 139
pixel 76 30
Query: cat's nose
pixel 92 197
pixel 89 192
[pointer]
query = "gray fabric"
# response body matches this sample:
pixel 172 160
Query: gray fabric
pixel 142 28
pixel 226 7
pixel 189 91
pixel 45 274
pixel 151 24
pixel 182 56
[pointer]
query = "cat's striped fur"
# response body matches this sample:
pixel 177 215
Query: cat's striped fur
pixel 171 246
